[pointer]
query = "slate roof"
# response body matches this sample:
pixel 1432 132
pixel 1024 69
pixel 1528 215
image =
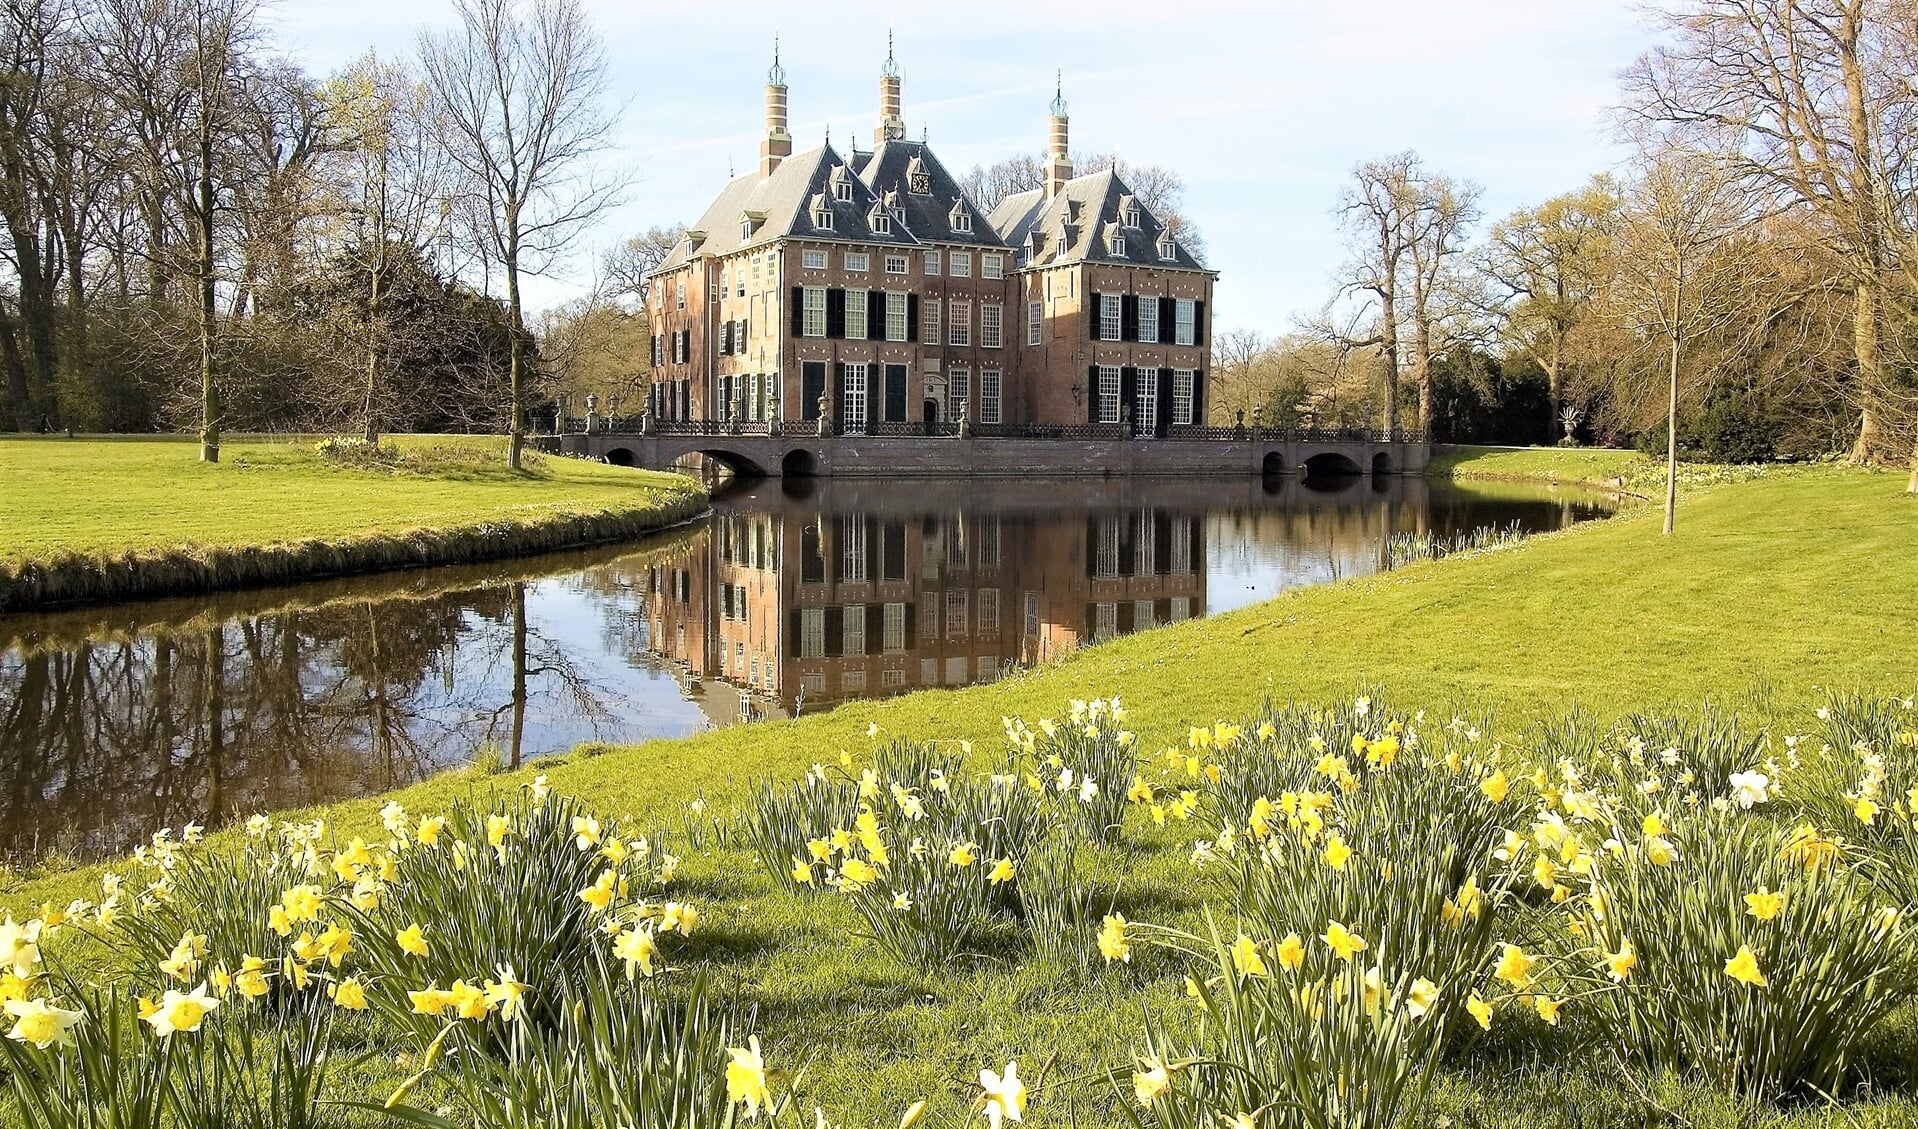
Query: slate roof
pixel 786 200
pixel 1076 225
pixel 929 215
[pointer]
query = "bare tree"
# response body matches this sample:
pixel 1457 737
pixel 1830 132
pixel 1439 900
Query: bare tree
pixel 1436 229
pixel 1674 280
pixel 519 86
pixel 1813 100
pixel 1379 211
pixel 626 266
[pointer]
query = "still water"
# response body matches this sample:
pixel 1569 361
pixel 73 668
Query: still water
pixel 788 599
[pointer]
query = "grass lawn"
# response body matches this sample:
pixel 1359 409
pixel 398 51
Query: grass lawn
pixel 1772 590
pixel 109 496
pixel 1557 464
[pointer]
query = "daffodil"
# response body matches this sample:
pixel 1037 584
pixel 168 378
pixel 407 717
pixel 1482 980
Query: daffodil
pixel 1150 1082
pixel 1113 944
pixel 1005 1096
pixel 1290 951
pixel 637 948
pixel 1480 1010
pixel 1245 957
pixel 1547 1008
pixel 1344 943
pixel 411 940
pixel 746 1078
pixel 506 994
pixel 1420 997
pixel 1496 787
pixel 20 946
pixel 1002 871
pixel 965 854
pixel 181 1011
pixel 349 994
pixel 1336 852
pixel 1764 904
pixel 802 872
pixel 40 1023
pixel 1514 966
pixel 1743 967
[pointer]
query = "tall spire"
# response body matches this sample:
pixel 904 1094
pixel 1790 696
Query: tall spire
pixel 892 126
pixel 777 145
pixel 1058 153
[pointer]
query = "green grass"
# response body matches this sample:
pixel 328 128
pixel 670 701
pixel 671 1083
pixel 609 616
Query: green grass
pixel 1557 464
pixel 102 497
pixel 1772 589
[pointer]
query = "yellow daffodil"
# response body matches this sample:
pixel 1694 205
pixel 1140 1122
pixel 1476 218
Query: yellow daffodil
pixel 1291 952
pixel 1547 1008
pixel 746 1079
pixel 1113 944
pixel 637 948
pixel 429 830
pixel 430 1001
pixel 1496 787
pixel 802 872
pixel 1514 967
pixel 1344 943
pixel 1764 904
pixel 965 854
pixel 349 994
pixel 1480 1011
pixel 1420 997
pixel 506 994
pixel 679 917
pixel 1336 852
pixel 1743 967
pixel 1246 960
pixel 411 940
pixel 1151 1082
pixel 1002 871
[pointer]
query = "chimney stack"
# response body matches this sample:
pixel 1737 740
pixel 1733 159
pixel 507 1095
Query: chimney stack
pixel 777 144
pixel 892 126
pixel 1058 160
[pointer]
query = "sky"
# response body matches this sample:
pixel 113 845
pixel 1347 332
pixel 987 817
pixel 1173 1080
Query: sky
pixel 1263 108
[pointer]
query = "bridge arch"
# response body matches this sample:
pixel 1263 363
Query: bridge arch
pixel 1332 464
pixel 742 466
pixel 1274 463
pixel 1382 463
pixel 622 456
pixel 798 463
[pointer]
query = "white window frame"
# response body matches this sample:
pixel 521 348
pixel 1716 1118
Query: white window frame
pixel 986 611
pixel 812 633
pixel 1105 559
pixel 1145 410
pixel 929 321
pixel 932 262
pixel 991 387
pixel 958 391
pixel 822 218
pixel 992 325
pixel 992 266
pixel 842 189
pixel 857 396
pixel 1182 387
pixel 881 222
pixel 852 630
pixel 895 315
pixel 1118 245
pixel 682 292
pixel 1149 320
pixel 1168 250
pixel 961 219
pixel 1185 321
pixel 1035 322
pixel 1111 319
pixel 858 262
pixel 1105 620
pixel 896 264
pixel 958 620
pixel 893 628
pixel 812 259
pixel 1111 384
pixel 959 264
pixel 857 307
pixel 813 311
pixel 959 325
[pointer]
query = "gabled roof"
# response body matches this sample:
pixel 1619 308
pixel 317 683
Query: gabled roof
pixel 785 199
pixel 929 215
pixel 1096 198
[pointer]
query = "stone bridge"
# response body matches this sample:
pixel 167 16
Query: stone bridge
pixel 799 449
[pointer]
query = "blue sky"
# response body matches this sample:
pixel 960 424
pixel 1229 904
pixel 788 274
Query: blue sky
pixel 1263 107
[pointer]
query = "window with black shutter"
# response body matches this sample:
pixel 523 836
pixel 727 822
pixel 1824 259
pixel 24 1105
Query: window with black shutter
pixel 912 317
pixel 839 390
pixel 836 313
pixel 875 315
pixel 726 339
pixel 1168 319
pixel 1092 394
pixel 1198 396
pixel 1165 400
pixel 895 394
pixel 1129 318
pixel 1092 315
pixel 812 385
pixel 1198 323
pixel 798 312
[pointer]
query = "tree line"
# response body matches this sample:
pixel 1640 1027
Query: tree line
pixel 203 234
pixel 1746 286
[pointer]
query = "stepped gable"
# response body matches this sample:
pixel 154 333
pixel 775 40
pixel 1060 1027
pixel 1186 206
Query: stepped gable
pixel 1076 224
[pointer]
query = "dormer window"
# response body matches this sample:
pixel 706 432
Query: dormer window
pixel 1128 211
pixel 841 184
pixel 821 212
pixel 1035 243
pixel 961 218
pixel 745 228
pixel 1115 242
pixel 1168 249
pixel 880 219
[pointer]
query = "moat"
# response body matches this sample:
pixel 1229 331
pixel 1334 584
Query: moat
pixel 789 599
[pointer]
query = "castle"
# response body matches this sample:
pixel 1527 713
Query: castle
pixel 869 286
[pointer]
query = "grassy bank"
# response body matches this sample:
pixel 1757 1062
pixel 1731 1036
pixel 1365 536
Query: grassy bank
pixel 1591 466
pixel 114 519
pixel 1773 590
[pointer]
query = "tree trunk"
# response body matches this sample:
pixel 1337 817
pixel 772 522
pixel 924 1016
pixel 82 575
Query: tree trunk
pixel 210 409
pixel 373 348
pixel 516 371
pixel 1864 331
pixel 1912 486
pixel 1389 330
pixel 1671 444
pixel 519 669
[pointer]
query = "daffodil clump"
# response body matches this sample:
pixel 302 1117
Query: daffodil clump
pixel 943 859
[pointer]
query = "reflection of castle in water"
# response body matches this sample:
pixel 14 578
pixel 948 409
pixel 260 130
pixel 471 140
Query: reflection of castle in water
pixel 811 603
